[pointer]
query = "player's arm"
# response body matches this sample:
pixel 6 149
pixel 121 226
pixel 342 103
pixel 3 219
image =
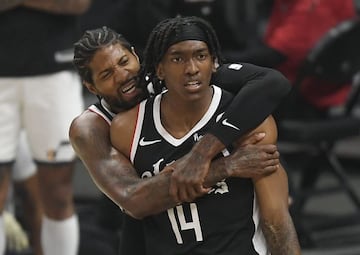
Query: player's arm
pixel 125 188
pixel 258 92
pixel 272 196
pixel 113 173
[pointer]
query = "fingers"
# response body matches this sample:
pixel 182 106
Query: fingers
pixel 185 192
pixel 253 139
pixel 268 148
pixel 270 169
pixel 190 193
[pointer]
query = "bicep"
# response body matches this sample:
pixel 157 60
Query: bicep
pixel 271 190
pixel 91 141
pixel 272 193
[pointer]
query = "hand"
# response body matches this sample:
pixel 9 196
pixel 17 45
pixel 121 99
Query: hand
pixel 188 176
pixel 251 161
pixel 16 237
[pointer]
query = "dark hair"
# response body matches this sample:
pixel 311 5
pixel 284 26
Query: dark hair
pixel 89 43
pixel 159 40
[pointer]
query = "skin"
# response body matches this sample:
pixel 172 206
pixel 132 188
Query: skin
pixel 28 192
pixel 113 70
pixel 186 69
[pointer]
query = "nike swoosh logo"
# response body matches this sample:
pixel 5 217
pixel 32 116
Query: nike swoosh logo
pixel 219 116
pixel 142 142
pixel 226 123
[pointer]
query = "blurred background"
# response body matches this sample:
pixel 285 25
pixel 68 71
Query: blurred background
pixel 315 44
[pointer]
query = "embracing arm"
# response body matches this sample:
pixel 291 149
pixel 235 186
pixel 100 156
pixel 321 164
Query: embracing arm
pixel 117 178
pixel 272 196
pixel 113 173
pixel 258 91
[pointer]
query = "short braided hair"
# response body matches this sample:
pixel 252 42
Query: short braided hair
pixel 89 43
pixel 159 39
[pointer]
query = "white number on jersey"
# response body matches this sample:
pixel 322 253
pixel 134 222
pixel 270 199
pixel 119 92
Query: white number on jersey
pixel 194 224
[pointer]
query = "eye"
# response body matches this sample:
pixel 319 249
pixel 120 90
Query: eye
pixel 202 56
pixel 105 75
pixel 176 59
pixel 124 61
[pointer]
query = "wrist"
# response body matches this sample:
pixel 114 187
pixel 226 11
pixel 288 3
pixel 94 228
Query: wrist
pixel 208 146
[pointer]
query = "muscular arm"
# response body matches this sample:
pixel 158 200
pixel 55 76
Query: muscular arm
pixel 258 91
pixel 272 196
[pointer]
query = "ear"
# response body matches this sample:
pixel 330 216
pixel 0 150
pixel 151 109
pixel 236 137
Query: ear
pixel 160 72
pixel 134 53
pixel 90 87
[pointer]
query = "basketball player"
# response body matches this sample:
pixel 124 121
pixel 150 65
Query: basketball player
pixel 181 55
pixel 109 69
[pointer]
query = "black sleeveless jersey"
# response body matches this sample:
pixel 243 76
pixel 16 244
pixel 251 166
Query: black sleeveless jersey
pixel 225 221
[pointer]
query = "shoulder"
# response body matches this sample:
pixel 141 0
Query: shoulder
pixel 87 124
pixel 123 119
pixel 122 129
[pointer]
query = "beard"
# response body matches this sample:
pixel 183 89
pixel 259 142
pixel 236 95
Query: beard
pixel 118 105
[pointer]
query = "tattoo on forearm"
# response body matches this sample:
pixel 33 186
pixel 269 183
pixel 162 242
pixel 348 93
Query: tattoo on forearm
pixel 216 173
pixel 281 239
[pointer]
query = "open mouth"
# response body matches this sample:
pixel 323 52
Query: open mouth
pixel 192 83
pixel 129 86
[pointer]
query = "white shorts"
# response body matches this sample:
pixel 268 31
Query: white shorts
pixel 24 166
pixel 44 106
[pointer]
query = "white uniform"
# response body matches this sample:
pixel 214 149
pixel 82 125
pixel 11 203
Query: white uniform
pixel 44 106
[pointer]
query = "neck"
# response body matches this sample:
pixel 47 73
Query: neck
pixel 178 117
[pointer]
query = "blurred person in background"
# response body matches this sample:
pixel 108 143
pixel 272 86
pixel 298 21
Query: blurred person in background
pixel 293 29
pixel 41 93
pixel 26 198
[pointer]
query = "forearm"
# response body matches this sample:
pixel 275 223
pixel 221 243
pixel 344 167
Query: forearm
pixel 71 7
pixel 9 4
pixel 281 237
pixel 263 91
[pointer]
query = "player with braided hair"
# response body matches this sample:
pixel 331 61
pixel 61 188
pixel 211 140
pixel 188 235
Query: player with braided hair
pixel 236 213
pixel 159 39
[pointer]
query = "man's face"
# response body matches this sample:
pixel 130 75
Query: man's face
pixel 114 73
pixel 186 68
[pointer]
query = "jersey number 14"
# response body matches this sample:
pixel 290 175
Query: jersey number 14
pixel 181 224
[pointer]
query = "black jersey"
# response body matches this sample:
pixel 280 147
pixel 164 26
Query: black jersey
pixel 225 221
pixel 101 108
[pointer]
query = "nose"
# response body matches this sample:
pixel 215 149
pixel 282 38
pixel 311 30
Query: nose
pixel 191 67
pixel 120 74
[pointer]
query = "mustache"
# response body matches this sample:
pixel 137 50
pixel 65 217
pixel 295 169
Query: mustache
pixel 135 78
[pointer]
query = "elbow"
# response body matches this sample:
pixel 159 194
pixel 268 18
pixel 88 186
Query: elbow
pixel 135 210
pixel 280 84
